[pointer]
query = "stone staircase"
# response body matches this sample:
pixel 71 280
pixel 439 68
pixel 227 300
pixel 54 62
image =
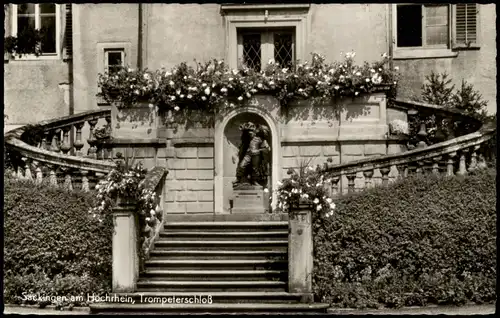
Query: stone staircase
pixel 222 267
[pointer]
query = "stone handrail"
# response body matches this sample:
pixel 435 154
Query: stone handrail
pixel 454 156
pixel 60 158
pixel 154 181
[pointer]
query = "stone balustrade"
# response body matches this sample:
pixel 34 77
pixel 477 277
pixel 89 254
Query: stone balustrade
pixel 127 260
pixel 53 150
pixel 456 156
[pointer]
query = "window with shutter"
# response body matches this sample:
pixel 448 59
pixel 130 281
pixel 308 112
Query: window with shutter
pixel 38 16
pixel 466 25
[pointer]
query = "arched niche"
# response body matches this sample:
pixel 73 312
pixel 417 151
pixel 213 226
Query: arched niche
pixel 227 138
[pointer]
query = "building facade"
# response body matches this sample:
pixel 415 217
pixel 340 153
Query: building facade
pixel 88 39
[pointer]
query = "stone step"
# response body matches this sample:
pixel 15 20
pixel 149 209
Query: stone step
pixel 143 308
pixel 212 275
pixel 160 253
pixel 224 235
pixel 216 264
pixel 163 243
pixel 227 226
pixel 197 217
pixel 222 297
pixel 203 285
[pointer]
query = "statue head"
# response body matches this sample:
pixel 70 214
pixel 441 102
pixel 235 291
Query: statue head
pixel 263 131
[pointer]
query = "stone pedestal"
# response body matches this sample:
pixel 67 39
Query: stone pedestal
pixel 249 199
pixel 300 253
pixel 125 247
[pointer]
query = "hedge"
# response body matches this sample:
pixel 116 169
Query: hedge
pixel 52 245
pixel 422 240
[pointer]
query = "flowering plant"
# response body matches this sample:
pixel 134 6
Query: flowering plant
pixel 125 181
pixel 214 87
pixel 399 127
pixel 309 185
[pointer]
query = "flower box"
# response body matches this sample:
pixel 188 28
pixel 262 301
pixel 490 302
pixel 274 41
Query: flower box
pixel 139 121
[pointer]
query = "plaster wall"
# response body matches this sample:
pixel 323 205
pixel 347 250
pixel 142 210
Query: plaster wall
pixel 476 66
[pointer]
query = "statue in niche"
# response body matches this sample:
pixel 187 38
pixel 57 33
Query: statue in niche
pixel 253 156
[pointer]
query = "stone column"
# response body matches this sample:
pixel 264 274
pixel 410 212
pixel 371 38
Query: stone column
pixel 125 247
pixel 300 253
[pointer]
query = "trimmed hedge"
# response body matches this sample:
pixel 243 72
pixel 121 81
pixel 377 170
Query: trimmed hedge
pixel 428 239
pixel 53 245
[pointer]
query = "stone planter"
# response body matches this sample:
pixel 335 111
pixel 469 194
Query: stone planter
pixel 134 122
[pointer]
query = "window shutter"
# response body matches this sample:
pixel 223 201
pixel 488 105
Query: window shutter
pixel 466 25
pixel 68 32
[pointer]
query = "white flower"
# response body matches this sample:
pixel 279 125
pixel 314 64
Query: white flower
pixel 204 84
pixel 231 78
pixel 223 90
pixel 279 183
pixel 396 68
pixel 148 219
pixel 167 73
pixel 318 208
pixel 336 87
pixel 356 93
pixel 189 96
pixel 367 80
pixel 372 70
pixel 376 79
pixel 332 206
pixel 249 95
pixel 176 108
pixel 234 72
pixel 178 91
pixel 231 105
pixel 329 200
pixel 259 85
pixel 240 98
pixel 171 83
pixel 305 196
pixel 172 97
pixel 152 212
pixel 207 91
pixel 181 96
pixel 316 201
pixel 384 55
pixel 185 77
pixel 284 70
pixel 358 73
pixel 301 90
pixel 130 70
pixel 271 61
pixel 146 76
pixel 266 190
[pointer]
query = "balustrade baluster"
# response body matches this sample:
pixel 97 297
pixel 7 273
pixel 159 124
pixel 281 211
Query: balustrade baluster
pixel 91 140
pixel 20 172
pixel 462 168
pixel 335 185
pixel 350 182
pixel 368 174
pixel 402 170
pixel 473 158
pixel 78 144
pixel 85 180
pixel 481 161
pixel 27 169
pixel 66 146
pixel 55 141
pixel 419 171
pixel 67 178
pixel 52 175
pixel 38 172
pixel 450 164
pixel 385 175
pixel 435 164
